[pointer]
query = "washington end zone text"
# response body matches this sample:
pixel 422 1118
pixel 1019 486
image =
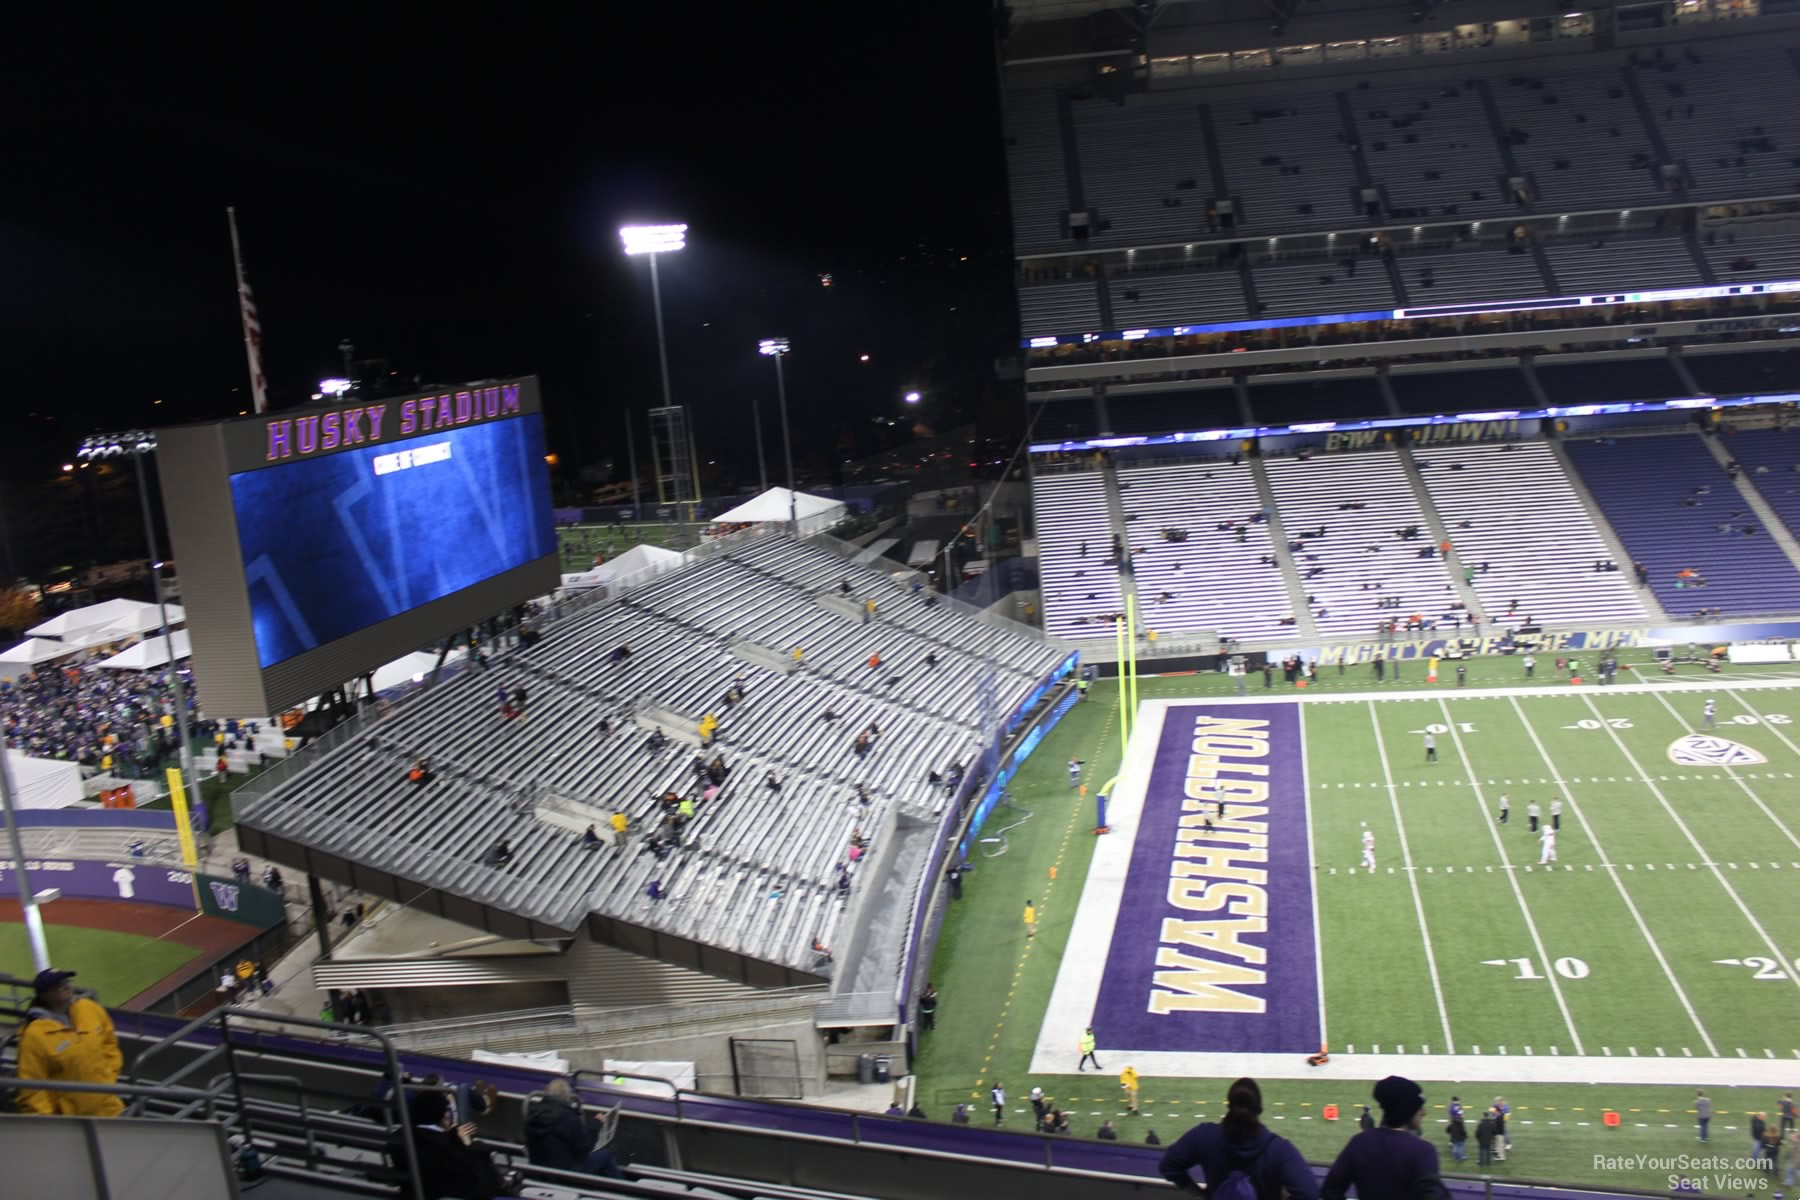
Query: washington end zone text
pixel 1215 956
pixel 1213 945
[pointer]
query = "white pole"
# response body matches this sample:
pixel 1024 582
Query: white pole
pixel 259 392
pixel 34 921
pixel 787 443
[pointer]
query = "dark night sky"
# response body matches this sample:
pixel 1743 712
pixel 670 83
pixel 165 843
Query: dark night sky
pixel 445 193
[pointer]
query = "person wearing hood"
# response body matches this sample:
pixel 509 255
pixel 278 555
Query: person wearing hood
pixel 68 1039
pixel 1239 1143
pixel 1390 1162
pixel 450 1167
pixel 559 1135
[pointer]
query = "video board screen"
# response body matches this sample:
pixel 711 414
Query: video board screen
pixel 315 545
pixel 387 527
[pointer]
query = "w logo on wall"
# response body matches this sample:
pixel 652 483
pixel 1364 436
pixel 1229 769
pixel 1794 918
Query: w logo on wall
pixel 225 895
pixel 1706 750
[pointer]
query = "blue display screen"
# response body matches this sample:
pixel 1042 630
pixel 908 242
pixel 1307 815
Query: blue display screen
pixel 333 545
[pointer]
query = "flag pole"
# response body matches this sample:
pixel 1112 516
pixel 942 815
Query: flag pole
pixel 259 390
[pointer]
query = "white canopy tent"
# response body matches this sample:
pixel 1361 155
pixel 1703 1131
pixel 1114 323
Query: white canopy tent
pixel 411 668
pixel 813 512
pixel 44 782
pixel 149 653
pixel 634 560
pixel 32 651
pixel 117 618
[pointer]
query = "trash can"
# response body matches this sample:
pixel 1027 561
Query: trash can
pixel 883 1068
pixel 865 1068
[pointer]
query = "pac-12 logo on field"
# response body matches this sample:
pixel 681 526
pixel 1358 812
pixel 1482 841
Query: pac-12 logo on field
pixel 1705 750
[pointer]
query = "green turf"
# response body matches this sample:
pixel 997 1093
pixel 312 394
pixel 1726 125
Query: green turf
pixel 115 965
pixel 581 543
pixel 1637 930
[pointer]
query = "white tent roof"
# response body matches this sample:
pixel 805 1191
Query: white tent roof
pixel 44 782
pixel 638 558
pixel 151 652
pixel 122 617
pixel 772 505
pixel 411 667
pixel 34 650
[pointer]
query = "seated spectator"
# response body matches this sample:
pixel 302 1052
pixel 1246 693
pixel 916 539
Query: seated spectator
pixel 862 744
pixel 449 1164
pixel 420 773
pixel 498 855
pixel 620 655
pixel 560 1136
pixel 590 840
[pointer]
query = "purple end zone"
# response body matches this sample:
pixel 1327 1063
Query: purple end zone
pixel 1213 948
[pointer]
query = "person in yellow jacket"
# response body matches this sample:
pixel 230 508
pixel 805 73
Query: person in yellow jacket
pixel 1128 1079
pixel 68 1039
pixel 1030 919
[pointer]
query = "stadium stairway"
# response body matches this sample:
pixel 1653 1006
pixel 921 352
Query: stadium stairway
pixel 1644 485
pixel 1074 525
pixel 1290 578
pixel 1440 530
pixel 1775 518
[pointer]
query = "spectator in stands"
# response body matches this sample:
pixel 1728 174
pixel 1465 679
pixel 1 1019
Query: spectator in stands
pixel 240 871
pixel 620 656
pixel 655 890
pixel 498 855
pixel 1106 1132
pixel 931 659
pixel 271 878
pixel 772 783
pixel 862 743
pixel 1239 1143
pixel 560 1136
pixel 590 839
pixel 1391 1162
pixel 657 740
pixel 449 1164
pixel 420 773
pixel 68 1039
pixel 715 770
pixel 875 661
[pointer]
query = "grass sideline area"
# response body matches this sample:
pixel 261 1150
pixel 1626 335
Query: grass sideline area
pixel 580 543
pixel 116 965
pixel 1377 986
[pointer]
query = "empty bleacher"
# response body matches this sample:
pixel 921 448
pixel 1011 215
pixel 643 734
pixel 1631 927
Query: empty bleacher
pixel 1754 254
pixel 1191 297
pixel 1347 285
pixel 1771 459
pixel 1075 536
pixel 1601 264
pixel 1143 166
pixel 1361 560
pixel 1715 107
pixel 1034 161
pixel 1581 135
pixel 1072 306
pixel 1487 272
pixel 1428 145
pixel 758 868
pixel 1212 580
pixel 1643 485
pixel 1285 163
pixel 1513 516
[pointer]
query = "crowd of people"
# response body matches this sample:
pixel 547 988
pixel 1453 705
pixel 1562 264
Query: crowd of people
pixel 120 722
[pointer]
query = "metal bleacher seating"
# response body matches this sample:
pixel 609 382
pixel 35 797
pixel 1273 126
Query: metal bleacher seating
pixel 1322 285
pixel 1197 296
pixel 1213 581
pixel 1581 135
pixel 1284 162
pixel 1143 163
pixel 757 868
pixel 1361 560
pixel 1644 485
pixel 1754 251
pixel 1717 108
pixel 1528 535
pixel 1075 536
pixel 1600 264
pixel 1429 145
pixel 1488 272
pixel 1072 306
pixel 1034 160
pixel 1771 460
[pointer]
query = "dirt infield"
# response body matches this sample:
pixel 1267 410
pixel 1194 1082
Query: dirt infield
pixel 211 937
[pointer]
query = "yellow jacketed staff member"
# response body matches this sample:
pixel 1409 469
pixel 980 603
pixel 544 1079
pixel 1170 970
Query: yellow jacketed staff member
pixel 68 1039
pixel 1128 1079
pixel 1030 919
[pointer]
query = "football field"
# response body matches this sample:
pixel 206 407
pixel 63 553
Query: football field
pixel 1655 954
pixel 1652 932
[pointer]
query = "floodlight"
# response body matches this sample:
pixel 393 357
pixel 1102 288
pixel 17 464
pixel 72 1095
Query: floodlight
pixel 334 387
pixel 913 397
pixel 653 239
pixel 773 346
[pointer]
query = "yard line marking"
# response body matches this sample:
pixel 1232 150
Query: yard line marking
pixel 1412 881
pixel 1312 855
pixel 1733 775
pixel 1695 842
pixel 1512 877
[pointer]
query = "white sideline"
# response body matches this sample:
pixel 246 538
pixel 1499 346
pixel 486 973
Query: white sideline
pixel 1459 1068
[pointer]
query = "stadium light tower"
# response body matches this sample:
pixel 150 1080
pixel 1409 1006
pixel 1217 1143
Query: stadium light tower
pixel 777 349
pixel 655 240
pixel 137 443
